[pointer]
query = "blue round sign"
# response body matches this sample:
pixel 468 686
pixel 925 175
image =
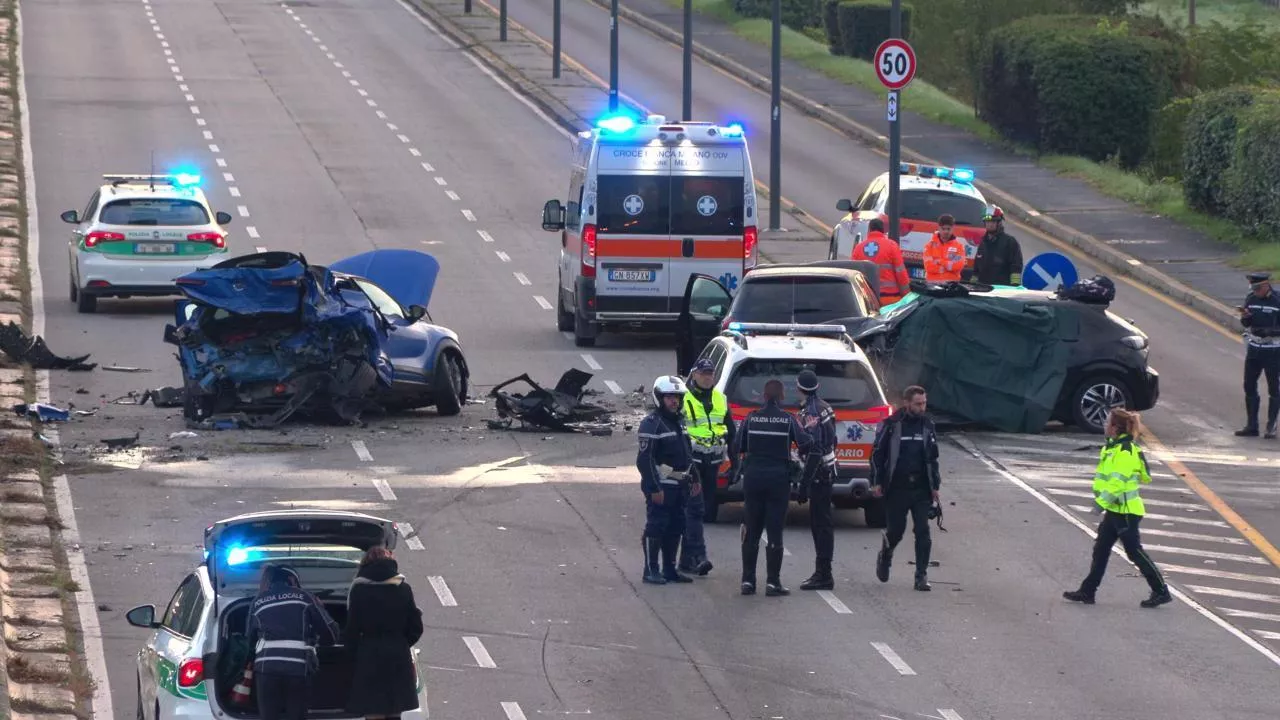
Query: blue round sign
pixel 1049 271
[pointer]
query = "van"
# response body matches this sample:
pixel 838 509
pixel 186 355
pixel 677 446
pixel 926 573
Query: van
pixel 649 205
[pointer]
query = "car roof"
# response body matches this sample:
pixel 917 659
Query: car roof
pixel 770 272
pixel 131 190
pixel 783 347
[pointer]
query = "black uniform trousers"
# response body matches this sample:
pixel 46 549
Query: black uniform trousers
pixel 282 697
pixel 1117 526
pixel 901 500
pixel 765 509
pixel 665 521
pixel 821 512
pixel 1259 362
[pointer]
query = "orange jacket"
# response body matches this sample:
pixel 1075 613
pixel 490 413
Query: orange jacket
pixel 879 249
pixel 943 260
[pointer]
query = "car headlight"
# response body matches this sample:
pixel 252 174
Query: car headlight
pixel 1137 342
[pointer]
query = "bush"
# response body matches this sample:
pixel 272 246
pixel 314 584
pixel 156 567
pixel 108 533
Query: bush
pixel 1223 56
pixel 1168 129
pixel 864 24
pixel 1208 145
pixel 796 14
pixel 831 21
pixel 1077 85
pixel 753 8
pixel 1251 191
pixel 1106 7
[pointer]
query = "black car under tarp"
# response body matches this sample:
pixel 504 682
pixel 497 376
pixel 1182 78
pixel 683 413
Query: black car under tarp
pixel 997 362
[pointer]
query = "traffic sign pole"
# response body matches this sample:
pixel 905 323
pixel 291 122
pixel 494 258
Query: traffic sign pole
pixel 895 127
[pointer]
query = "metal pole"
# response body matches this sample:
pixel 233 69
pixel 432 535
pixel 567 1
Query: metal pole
pixel 775 130
pixel 688 61
pixel 895 130
pixel 466 6
pixel 1191 12
pixel 555 40
pixel 502 21
pixel 613 56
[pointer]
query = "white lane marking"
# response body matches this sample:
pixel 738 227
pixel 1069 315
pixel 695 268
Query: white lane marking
pixel 214 149
pixel 324 48
pixel 392 127
pixel 381 115
pixel 591 362
pixel 520 278
pixel 412 540
pixel 251 231
pixel 260 249
pixel 442 591
pixel 221 162
pixel 503 256
pixel 415 152
pixel 1237 594
pixel 542 302
pixel 831 599
pixel 363 92
pixel 1211 554
pixel 243 210
pixel 478 651
pixel 1197 507
pixel 513 711
pixel 1268 635
pixel 485 236
pixel 1156 516
pixel 452 195
pixel 201 122
pixel 441 181
pixel 1220 574
pixel 383 489
pixel 184 88
pixel 893 658
pixel 235 191
pixel 949 714
pixel 335 62
pixel 1195 536
pixel 346 73
pixel 371 103
pixel 188 96
pixel 614 387
pixel 354 82
pixel 207 134
pixel 427 166
pixel 468 215
pixel 195 110
pixel 362 451
pixel 1251 615
pixel 168 52
pixel 567 335
pixel 228 177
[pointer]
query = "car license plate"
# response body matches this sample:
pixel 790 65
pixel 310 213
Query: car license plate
pixel 154 248
pixel 917 273
pixel 630 276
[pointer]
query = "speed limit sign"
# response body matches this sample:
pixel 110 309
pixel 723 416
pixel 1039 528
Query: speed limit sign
pixel 895 63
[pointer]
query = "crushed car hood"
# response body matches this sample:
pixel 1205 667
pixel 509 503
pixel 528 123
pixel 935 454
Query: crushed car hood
pixel 409 276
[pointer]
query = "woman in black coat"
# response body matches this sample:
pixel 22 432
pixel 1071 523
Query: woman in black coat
pixel 383 623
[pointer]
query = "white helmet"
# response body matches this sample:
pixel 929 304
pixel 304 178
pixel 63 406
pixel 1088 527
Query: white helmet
pixel 667 385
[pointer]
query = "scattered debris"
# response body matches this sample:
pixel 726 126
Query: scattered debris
pixel 183 434
pixel 165 397
pixel 560 409
pixel 121 368
pixel 121 443
pixel 46 413
pixel 34 352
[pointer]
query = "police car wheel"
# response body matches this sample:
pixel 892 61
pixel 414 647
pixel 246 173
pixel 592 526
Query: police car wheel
pixel 86 303
pixel 1094 397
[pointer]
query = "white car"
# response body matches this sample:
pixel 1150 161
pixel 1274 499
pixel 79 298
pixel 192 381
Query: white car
pixel 197 652
pixel 138 234
pixel 926 192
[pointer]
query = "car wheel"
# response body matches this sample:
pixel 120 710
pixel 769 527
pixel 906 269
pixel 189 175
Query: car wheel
pixel 448 385
pixel 1094 398
pixel 564 318
pixel 873 512
pixel 86 303
pixel 75 291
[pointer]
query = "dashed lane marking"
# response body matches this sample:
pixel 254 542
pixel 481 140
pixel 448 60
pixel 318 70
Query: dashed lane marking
pixel 1210 554
pixel 1198 537
pixel 470 216
pixel 428 167
pixel 835 602
pixel 384 489
pixel 522 279
pixel 513 711
pixel 502 256
pixel 949 714
pixel 484 235
pixel 591 362
pixel 413 541
pixel 1220 574
pixel 244 211
pixel 1157 516
pixel 614 387
pixel 542 302
pixel 441 181
pixel 260 249
pixel 442 591
pixel 415 152
pixel 1236 594
pixel 251 231
pixel 893 658
pixel 362 451
pixel 235 191
pixel 1250 614
pixel 478 651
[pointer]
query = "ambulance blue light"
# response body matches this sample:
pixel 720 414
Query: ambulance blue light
pixel 616 123
pixel 237 555
pixel 186 179
pixel 734 130
pixel 963 175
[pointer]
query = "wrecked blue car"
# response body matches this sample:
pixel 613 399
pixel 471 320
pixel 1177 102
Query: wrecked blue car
pixel 262 337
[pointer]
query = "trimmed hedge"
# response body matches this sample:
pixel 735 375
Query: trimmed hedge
pixel 1078 85
pixel 1251 190
pixel 864 24
pixel 796 14
pixel 1169 127
pixel 831 21
pixel 1208 145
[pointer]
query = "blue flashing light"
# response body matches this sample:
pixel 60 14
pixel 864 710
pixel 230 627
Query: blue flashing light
pixel 187 179
pixel 616 123
pixel 963 175
pixel 735 326
pixel 734 130
pixel 237 556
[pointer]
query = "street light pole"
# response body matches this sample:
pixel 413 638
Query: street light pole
pixel 613 56
pixel 895 130
pixel 687 105
pixel 555 40
pixel 775 129
pixel 502 21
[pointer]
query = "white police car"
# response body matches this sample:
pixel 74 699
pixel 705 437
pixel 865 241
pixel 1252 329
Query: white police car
pixel 193 663
pixel 138 233
pixel 926 193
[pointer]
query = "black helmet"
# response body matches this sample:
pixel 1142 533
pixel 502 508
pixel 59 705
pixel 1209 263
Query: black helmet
pixel 807 381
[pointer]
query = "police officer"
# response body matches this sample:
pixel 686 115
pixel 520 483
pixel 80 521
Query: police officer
pixel 666 468
pixel 285 624
pixel 904 471
pixel 710 428
pixel 1260 317
pixel 817 418
pixel 765 439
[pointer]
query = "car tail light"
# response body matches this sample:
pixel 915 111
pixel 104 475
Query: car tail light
pixel 98 283
pixel 191 673
pixel 588 251
pixel 94 238
pixel 882 412
pixel 280 389
pixel 216 239
pixel 750 238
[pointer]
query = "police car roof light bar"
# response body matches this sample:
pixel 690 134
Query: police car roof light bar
pixel 149 179
pixel 963 175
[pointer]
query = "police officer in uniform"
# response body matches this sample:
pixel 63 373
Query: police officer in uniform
pixel 765 439
pixel 666 468
pixel 818 419
pixel 1260 317
pixel 904 470
pixel 710 429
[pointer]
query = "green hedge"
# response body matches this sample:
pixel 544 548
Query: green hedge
pixel 831 21
pixel 1167 132
pixel 864 24
pixel 1251 188
pixel 1078 85
pixel 1208 146
pixel 796 14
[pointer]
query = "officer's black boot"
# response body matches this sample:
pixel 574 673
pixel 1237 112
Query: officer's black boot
pixel 884 560
pixel 922 581
pixel 1251 406
pixel 773 565
pixel 652 549
pixel 821 578
pixel 1273 410
pixel 669 550
pixel 750 555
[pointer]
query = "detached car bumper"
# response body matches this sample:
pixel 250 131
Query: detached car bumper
pixel 127 276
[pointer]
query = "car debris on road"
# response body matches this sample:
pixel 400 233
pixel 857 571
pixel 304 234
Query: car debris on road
pixel 34 352
pixel 560 409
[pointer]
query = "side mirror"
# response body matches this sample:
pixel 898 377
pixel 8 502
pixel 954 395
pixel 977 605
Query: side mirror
pixel 553 216
pixel 222 217
pixel 70 216
pixel 143 616
pixel 844 205
pixel 417 312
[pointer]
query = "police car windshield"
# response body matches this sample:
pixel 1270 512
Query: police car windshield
pixel 153 211
pixel 665 205
pixel 845 385
pixel 929 205
pixel 795 299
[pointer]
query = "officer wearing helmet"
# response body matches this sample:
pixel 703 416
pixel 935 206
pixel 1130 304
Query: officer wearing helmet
pixel 765 438
pixel 817 417
pixel 665 462
pixel 1260 316
pixel 999 257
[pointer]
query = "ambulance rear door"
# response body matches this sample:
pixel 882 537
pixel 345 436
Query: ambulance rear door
pixel 709 188
pixel 633 219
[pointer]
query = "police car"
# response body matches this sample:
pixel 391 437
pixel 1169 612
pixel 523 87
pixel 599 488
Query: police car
pixel 138 233
pixel 194 660
pixel 925 193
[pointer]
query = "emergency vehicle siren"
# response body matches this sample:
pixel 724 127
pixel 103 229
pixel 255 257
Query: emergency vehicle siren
pixel 961 175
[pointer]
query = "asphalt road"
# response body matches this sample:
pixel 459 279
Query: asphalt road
pixel 345 126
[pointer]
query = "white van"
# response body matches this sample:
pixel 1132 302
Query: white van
pixel 649 205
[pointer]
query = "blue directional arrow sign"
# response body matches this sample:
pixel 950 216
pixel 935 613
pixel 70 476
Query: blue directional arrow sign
pixel 1049 271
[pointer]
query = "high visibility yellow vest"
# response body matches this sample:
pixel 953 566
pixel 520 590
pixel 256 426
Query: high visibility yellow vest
pixel 706 430
pixel 1121 467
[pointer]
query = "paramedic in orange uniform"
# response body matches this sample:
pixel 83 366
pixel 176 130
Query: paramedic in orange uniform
pixel 944 253
pixel 879 249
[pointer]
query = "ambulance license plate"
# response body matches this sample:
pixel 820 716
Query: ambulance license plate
pixel 630 276
pixel 154 248
pixel 917 272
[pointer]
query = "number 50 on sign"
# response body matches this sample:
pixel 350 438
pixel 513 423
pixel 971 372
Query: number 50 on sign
pixel 895 63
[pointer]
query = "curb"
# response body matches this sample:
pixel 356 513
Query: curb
pixel 1115 260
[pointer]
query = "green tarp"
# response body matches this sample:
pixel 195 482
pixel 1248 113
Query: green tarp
pixel 993 361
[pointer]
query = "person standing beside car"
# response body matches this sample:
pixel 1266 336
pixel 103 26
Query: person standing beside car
pixel 878 248
pixel 999 257
pixel 710 429
pixel 383 624
pixel 904 471
pixel 1260 316
pixel 944 254
pixel 665 462
pixel 285 625
pixel 817 418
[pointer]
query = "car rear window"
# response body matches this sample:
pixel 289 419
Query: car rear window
pixel 634 204
pixel 928 205
pixel 151 211
pixel 845 385
pixel 795 299
pixel 707 205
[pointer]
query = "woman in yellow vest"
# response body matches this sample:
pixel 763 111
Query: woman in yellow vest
pixel 1115 490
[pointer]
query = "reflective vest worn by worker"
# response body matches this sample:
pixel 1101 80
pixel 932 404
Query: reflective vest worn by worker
pixel 706 430
pixel 1121 468
pixel 943 260
pixel 879 249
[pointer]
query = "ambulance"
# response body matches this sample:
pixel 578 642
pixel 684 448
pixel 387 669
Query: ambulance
pixel 650 204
